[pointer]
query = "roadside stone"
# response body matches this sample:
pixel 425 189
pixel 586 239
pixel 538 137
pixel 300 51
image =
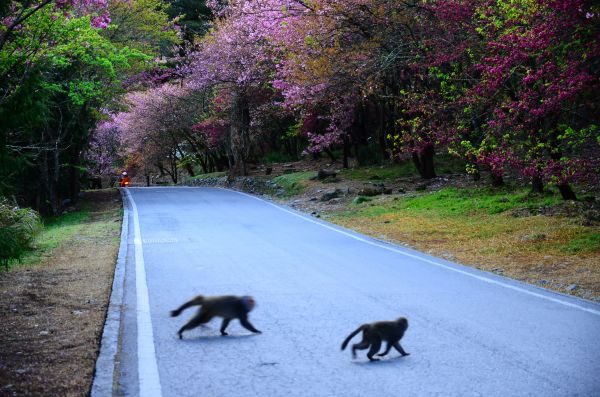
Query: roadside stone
pixel 369 192
pixel 422 187
pixel 572 287
pixel 497 270
pixel 543 282
pixel 331 195
pixel 521 213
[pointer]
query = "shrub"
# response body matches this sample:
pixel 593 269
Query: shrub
pixel 18 227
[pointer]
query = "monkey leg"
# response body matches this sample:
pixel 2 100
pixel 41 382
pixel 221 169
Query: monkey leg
pixel 200 318
pixel 362 345
pixel 400 349
pixel 375 346
pixel 387 350
pixel 246 324
pixel 224 325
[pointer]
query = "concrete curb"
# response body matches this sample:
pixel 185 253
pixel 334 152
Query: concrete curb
pixel 103 383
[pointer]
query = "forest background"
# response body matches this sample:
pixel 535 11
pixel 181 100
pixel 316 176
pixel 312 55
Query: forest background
pixel 91 88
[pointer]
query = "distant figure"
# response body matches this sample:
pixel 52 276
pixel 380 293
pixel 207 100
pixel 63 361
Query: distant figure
pixel 124 181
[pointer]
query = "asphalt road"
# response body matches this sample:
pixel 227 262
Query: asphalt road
pixel 470 333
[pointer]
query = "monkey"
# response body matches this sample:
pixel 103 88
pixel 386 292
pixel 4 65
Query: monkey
pixel 228 307
pixel 374 333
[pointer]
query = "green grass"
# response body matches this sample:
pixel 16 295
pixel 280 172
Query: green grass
pixel 461 202
pixel 58 230
pixel 293 183
pixel 207 176
pixel 444 164
pixel 589 242
pixel 379 172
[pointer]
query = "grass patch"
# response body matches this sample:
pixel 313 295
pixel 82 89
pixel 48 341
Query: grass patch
pixel 293 183
pixel 58 230
pixel 450 202
pixel 379 172
pixel 488 229
pixel 586 242
pixel 444 164
pixel 219 174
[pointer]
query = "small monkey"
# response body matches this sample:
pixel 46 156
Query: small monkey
pixel 228 307
pixel 374 333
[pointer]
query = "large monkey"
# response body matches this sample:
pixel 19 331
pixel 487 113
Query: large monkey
pixel 374 333
pixel 228 307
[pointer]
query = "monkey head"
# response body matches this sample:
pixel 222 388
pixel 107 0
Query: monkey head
pixel 249 302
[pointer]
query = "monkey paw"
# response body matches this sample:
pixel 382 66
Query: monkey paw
pixel 224 334
pixel 373 359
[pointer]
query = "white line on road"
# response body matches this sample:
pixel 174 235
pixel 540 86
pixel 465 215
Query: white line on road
pixel 147 367
pixel 466 273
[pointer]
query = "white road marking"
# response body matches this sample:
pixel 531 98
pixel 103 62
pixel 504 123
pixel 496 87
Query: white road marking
pixel 478 277
pixel 147 367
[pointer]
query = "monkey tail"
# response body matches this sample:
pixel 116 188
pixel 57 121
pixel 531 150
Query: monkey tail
pixel 197 301
pixel 352 335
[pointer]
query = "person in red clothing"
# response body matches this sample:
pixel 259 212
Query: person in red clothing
pixel 124 181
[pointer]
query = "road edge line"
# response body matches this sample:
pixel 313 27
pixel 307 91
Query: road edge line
pixel 148 376
pixel 432 262
pixel 103 380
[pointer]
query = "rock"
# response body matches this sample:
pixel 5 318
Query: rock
pixel 448 256
pixel 497 270
pixel 543 282
pixel 324 174
pixel 387 221
pixel 521 213
pixel 421 187
pixel 44 333
pixel 77 312
pixel 572 287
pixel 313 199
pixel 369 192
pixel 331 195
pixel 401 190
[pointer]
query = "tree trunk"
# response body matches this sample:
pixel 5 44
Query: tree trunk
pixel 537 185
pixel 497 180
pixel 239 134
pixel 566 192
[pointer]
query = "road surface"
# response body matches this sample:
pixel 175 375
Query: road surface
pixel 471 333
